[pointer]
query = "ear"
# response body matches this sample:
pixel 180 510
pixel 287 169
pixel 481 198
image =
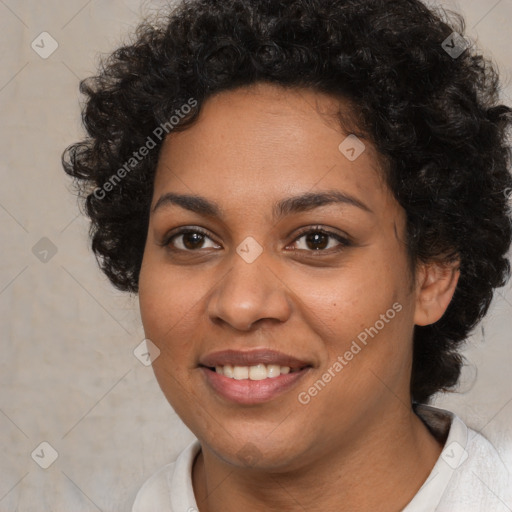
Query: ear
pixel 435 286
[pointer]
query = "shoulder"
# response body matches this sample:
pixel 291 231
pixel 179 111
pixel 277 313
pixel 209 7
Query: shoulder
pixel 480 481
pixel 469 476
pixel 170 488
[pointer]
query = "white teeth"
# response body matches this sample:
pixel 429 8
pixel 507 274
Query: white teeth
pixel 273 370
pixel 228 370
pixel 257 372
pixel 240 372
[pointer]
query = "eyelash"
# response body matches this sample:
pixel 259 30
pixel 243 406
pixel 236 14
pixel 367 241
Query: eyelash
pixel 343 242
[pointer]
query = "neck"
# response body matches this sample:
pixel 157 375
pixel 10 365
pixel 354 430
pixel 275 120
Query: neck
pixel 380 468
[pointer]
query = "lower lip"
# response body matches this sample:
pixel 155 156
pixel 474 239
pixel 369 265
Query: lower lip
pixel 250 392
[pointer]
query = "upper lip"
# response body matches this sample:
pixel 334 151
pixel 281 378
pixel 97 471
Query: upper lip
pixel 251 358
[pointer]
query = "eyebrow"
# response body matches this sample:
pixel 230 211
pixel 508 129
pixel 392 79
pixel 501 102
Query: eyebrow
pixel 295 204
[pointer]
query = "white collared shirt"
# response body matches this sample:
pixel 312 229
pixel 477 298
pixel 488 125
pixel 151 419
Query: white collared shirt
pixel 469 475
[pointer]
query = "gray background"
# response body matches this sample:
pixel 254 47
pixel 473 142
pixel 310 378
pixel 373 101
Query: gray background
pixel 68 375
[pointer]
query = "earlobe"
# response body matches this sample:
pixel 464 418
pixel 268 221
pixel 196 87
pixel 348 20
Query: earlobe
pixel 435 286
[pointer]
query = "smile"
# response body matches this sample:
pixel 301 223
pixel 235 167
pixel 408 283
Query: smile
pixel 252 377
pixel 257 372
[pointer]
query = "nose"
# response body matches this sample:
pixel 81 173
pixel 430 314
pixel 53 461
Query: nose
pixel 249 293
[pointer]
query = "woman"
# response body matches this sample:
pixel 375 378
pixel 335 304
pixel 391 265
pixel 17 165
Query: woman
pixel 310 199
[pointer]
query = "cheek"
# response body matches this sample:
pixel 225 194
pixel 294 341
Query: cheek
pixel 167 307
pixel 168 299
pixel 355 298
pixel 364 316
pixel 365 322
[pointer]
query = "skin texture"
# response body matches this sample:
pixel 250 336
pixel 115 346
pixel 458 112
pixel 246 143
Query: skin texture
pixel 356 445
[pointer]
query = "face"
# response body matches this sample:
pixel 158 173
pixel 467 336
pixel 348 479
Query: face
pixel 288 259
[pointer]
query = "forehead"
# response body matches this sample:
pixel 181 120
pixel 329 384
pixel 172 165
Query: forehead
pixel 261 142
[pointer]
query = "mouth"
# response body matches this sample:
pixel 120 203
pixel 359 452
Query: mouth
pixel 251 377
pixel 257 372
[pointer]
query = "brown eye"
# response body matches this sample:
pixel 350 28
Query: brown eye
pixel 317 240
pixel 192 240
pixel 189 240
pixel 320 240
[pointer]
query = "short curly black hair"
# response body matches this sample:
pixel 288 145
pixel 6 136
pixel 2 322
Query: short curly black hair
pixel 435 117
